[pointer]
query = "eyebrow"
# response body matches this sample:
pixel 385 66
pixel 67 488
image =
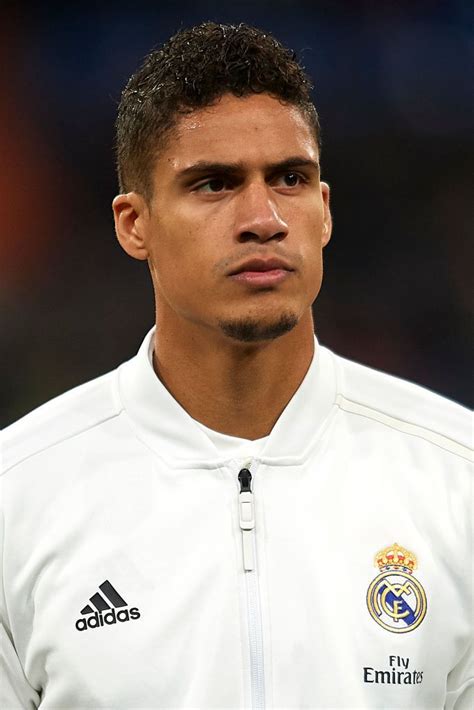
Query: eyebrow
pixel 204 167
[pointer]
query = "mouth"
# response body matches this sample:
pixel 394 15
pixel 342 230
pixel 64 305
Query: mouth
pixel 262 272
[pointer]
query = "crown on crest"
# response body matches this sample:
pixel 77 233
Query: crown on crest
pixel 395 557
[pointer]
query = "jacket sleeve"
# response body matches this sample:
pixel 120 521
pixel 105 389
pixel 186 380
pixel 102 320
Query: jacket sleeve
pixel 460 687
pixel 15 691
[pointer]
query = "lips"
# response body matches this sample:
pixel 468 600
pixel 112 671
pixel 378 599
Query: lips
pixel 262 273
pixel 261 265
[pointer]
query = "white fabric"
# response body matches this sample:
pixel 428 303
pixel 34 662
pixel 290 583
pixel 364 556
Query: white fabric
pixel 233 446
pixel 115 482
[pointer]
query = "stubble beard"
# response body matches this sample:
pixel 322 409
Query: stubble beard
pixel 252 330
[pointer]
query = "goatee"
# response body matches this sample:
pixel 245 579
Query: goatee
pixel 250 330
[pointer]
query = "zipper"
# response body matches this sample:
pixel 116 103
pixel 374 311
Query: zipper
pixel 247 519
pixel 247 526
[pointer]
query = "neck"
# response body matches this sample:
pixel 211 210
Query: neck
pixel 238 389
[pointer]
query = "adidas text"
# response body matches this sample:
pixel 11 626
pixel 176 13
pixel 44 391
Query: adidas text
pixel 93 621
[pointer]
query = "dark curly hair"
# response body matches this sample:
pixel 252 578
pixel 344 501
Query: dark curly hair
pixel 193 70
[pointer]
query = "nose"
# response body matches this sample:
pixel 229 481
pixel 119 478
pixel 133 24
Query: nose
pixel 258 218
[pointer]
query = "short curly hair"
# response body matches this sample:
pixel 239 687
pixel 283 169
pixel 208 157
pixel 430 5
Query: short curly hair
pixel 192 70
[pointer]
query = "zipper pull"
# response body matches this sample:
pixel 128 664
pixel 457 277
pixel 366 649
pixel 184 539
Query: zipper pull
pixel 247 518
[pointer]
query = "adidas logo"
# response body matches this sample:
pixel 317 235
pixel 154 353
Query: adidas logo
pixel 104 613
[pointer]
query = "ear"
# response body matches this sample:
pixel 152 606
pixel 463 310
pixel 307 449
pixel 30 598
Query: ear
pixel 130 217
pixel 327 223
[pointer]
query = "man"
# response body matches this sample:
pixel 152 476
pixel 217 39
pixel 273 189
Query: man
pixel 236 517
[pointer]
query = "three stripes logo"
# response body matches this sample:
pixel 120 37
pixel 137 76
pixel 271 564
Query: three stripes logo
pixel 105 609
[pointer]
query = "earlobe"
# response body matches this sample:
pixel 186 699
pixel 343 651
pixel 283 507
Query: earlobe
pixel 327 224
pixel 130 213
pixel 327 229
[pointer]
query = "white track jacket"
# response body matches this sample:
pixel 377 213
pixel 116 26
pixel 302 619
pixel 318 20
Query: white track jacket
pixel 141 570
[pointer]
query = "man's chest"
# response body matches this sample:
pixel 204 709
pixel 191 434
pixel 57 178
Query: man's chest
pixel 138 597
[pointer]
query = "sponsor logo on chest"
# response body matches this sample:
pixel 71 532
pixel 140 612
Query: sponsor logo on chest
pixel 107 607
pixel 397 673
pixel 397 602
pixel 395 598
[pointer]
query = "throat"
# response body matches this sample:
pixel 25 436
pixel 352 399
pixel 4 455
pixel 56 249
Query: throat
pixel 237 391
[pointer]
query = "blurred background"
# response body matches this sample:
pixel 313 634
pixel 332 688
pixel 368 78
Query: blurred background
pixel 392 90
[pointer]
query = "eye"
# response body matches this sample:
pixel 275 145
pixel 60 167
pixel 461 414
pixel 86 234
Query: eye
pixel 290 180
pixel 212 186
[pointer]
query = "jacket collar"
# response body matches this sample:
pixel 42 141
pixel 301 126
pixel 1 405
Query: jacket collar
pixel 163 425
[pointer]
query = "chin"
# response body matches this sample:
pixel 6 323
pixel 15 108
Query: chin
pixel 254 330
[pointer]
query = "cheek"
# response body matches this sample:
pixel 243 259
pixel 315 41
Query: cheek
pixel 312 254
pixel 312 241
pixel 173 245
pixel 181 260
pixel 314 275
pixel 188 238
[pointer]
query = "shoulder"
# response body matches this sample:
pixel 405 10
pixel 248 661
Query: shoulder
pixel 63 418
pixel 404 406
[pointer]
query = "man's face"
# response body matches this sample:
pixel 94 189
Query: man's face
pixel 238 219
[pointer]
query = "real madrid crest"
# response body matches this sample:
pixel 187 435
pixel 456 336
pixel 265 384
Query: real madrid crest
pixel 396 600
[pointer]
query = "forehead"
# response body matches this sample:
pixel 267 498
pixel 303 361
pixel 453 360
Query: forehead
pixel 252 130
